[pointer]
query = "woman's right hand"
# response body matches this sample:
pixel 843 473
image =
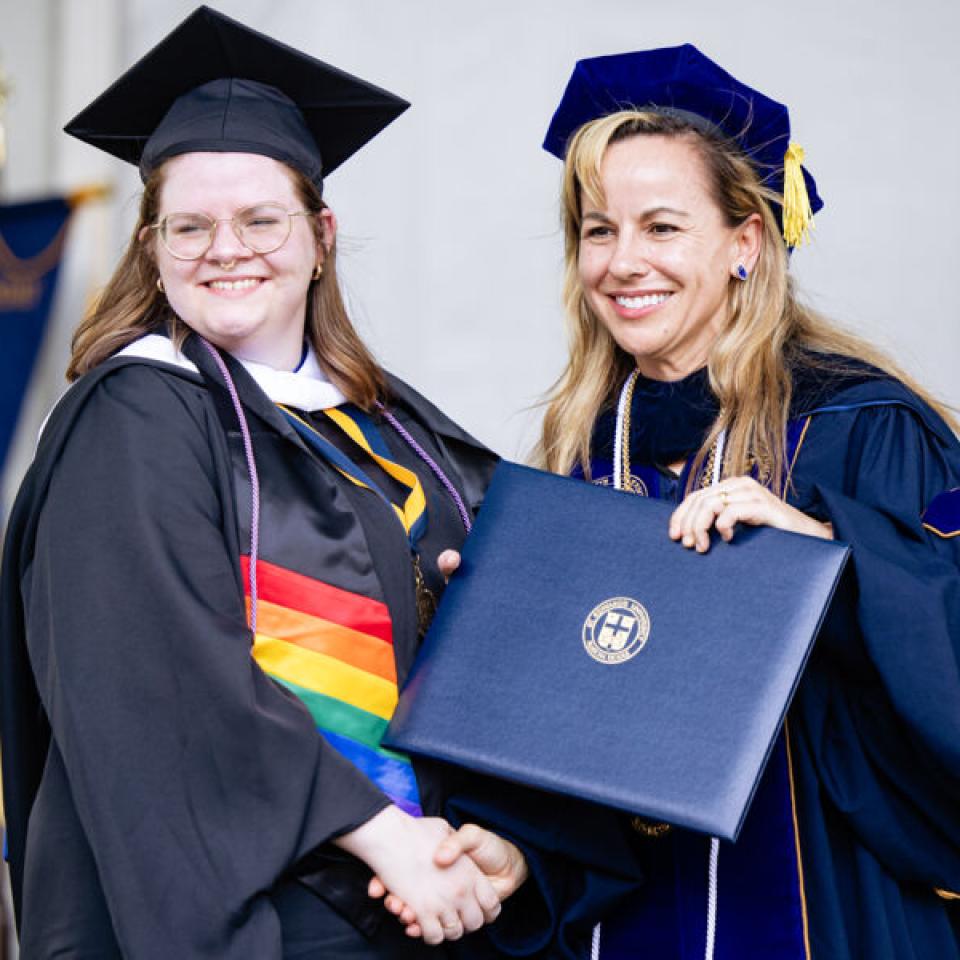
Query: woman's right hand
pixel 447 901
pixel 500 860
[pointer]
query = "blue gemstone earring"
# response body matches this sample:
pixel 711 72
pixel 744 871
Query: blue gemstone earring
pixel 741 271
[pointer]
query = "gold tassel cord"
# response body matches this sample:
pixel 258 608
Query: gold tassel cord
pixel 30 269
pixel 797 214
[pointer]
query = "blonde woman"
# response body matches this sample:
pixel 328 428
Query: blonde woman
pixel 692 360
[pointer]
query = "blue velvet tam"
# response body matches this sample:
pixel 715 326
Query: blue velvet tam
pixel 213 85
pixel 682 82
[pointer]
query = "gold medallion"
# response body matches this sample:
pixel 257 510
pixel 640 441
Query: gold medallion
pixel 426 601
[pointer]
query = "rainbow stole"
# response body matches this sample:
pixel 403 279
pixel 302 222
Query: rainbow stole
pixel 333 650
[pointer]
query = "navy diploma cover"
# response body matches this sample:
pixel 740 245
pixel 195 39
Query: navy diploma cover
pixel 580 650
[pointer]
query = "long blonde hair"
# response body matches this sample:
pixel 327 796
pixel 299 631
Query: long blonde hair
pixel 131 305
pixel 766 331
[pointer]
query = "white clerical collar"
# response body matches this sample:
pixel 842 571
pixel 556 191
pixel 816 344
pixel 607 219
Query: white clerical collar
pixel 306 388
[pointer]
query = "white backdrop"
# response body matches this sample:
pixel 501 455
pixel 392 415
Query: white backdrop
pixel 450 244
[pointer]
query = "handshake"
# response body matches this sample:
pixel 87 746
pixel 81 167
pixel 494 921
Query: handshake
pixel 438 882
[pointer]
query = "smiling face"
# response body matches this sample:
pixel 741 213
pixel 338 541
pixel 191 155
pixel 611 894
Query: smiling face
pixel 252 305
pixel 656 254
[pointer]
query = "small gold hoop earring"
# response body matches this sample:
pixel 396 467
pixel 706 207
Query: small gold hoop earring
pixel 318 271
pixel 160 284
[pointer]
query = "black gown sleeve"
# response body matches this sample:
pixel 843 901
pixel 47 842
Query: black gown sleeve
pixel 196 780
pixel 879 706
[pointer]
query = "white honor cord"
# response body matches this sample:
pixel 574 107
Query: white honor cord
pixel 712 899
pixel 714 842
pixel 617 467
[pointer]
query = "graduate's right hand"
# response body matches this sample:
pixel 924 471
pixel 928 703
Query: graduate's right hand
pixel 500 861
pixel 446 901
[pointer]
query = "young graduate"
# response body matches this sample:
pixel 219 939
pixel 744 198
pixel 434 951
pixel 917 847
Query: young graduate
pixel 218 567
pixel 682 201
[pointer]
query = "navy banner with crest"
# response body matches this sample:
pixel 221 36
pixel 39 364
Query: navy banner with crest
pixel 31 246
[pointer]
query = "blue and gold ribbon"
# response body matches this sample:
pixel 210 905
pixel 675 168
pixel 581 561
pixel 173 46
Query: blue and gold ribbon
pixel 412 513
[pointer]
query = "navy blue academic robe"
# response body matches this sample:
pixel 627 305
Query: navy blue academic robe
pixel 874 730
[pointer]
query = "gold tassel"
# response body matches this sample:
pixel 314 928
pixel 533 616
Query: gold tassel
pixel 797 215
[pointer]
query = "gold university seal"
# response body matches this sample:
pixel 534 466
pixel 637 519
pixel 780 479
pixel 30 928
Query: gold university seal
pixel 616 630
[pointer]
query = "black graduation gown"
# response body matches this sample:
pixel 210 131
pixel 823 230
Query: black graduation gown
pixel 875 725
pixel 161 791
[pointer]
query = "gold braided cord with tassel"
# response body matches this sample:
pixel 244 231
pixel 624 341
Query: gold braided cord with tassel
pixel 20 276
pixel 797 215
pixel 32 268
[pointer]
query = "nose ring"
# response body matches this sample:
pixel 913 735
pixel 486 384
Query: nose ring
pixel 227 264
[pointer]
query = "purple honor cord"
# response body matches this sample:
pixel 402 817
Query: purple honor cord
pixel 254 478
pixel 430 462
pixel 402 432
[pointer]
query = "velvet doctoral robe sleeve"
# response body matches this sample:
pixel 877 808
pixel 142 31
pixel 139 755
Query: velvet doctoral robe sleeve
pixel 878 716
pixel 195 779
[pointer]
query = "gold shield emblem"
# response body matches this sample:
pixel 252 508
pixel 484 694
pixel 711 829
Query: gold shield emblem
pixel 616 630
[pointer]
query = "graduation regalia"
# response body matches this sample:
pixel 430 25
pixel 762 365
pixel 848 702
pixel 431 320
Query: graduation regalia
pixel 164 795
pixel 150 766
pixel 851 848
pixel 872 781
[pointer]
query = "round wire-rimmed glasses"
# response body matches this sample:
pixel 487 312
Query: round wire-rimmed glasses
pixel 262 228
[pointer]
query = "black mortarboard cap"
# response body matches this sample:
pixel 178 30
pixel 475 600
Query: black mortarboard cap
pixel 683 81
pixel 214 85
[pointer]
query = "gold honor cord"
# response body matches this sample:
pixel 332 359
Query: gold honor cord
pixel 625 475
